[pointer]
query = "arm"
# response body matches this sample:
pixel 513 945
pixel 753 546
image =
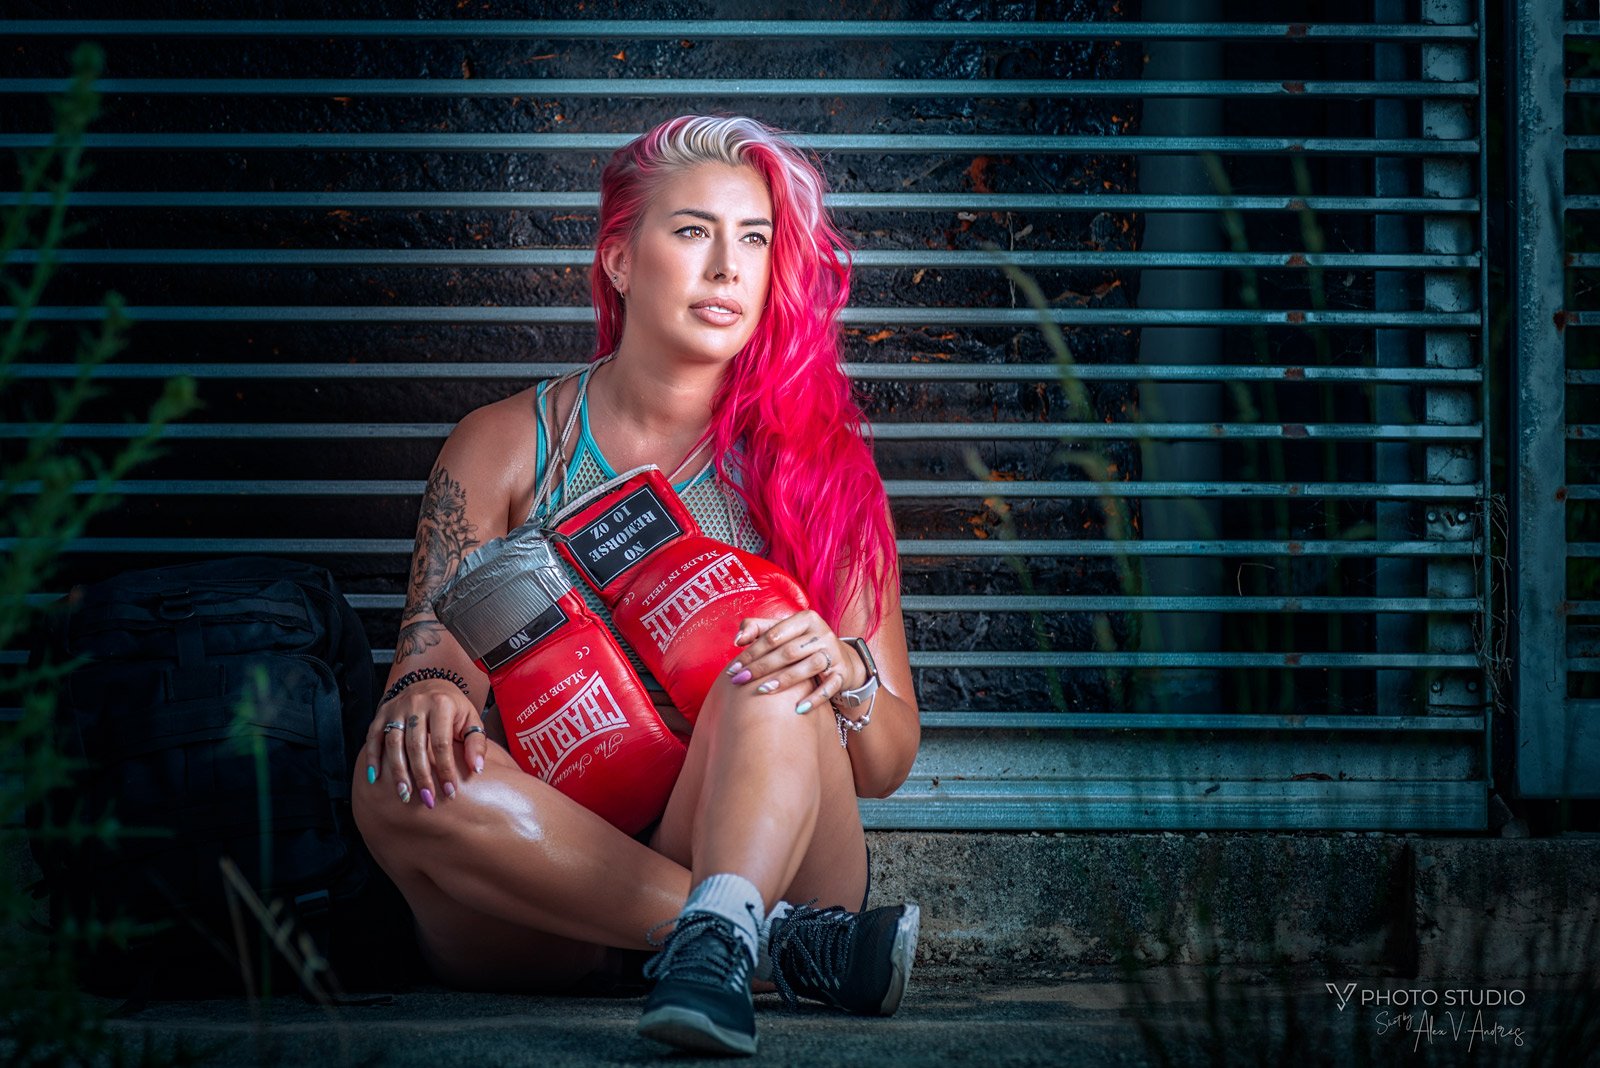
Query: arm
pixel 463 506
pixel 782 652
pixel 881 753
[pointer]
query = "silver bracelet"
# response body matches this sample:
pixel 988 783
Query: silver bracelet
pixel 848 726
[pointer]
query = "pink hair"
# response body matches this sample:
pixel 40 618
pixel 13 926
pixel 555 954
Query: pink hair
pixel 808 477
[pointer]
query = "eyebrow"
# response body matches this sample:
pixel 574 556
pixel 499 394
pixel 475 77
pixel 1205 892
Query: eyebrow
pixel 709 217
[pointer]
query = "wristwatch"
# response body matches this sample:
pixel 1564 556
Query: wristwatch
pixel 861 694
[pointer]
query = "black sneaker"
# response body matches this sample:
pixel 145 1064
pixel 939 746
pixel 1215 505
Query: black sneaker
pixel 701 1000
pixel 859 962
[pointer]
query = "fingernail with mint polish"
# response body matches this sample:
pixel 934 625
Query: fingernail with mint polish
pixel 372 774
pixel 735 667
pixel 743 677
pixel 405 793
pixel 427 797
pixel 802 708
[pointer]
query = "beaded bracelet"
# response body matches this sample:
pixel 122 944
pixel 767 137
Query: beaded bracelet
pixel 848 725
pixel 417 676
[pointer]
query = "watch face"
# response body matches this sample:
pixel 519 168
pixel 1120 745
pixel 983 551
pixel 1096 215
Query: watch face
pixel 860 646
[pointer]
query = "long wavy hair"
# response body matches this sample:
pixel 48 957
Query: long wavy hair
pixel 805 472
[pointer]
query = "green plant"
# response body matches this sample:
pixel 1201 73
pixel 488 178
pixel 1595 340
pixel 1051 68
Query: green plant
pixel 45 503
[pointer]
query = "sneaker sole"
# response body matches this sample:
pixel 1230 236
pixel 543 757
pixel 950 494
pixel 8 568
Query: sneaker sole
pixel 687 1029
pixel 901 956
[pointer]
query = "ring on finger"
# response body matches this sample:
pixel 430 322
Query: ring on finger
pixel 393 726
pixel 827 660
pixel 471 731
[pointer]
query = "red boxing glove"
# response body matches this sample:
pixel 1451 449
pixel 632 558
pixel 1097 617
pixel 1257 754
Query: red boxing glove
pixel 675 595
pixel 574 710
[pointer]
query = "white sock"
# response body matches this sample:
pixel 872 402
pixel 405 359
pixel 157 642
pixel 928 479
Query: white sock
pixel 734 898
pixel 763 959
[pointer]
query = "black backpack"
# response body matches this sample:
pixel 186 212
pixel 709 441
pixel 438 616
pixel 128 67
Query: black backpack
pixel 175 654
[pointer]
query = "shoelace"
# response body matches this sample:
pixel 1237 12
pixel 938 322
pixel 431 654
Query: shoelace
pixel 704 947
pixel 818 961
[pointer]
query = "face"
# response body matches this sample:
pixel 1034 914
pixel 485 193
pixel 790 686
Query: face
pixel 695 280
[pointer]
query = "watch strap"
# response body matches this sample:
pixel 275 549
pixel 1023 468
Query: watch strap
pixel 861 694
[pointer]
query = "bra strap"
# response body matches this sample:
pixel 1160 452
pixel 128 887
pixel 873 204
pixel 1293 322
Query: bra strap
pixel 559 452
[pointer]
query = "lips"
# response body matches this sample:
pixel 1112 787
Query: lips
pixel 718 311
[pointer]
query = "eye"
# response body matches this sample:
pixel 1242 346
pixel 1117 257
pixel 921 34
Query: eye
pixel 694 226
pixel 760 239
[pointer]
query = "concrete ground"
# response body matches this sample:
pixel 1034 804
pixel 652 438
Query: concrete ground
pixel 1085 1018
pixel 1011 966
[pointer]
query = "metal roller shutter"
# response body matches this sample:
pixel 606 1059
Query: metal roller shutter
pixel 1223 569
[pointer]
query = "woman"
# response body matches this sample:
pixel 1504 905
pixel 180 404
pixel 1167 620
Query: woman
pixel 717 283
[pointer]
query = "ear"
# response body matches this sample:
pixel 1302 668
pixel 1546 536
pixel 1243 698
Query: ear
pixel 614 258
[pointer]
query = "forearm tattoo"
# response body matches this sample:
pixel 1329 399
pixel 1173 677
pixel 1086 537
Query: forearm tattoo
pixel 444 537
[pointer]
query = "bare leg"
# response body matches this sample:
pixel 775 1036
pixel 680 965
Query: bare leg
pixel 769 795
pixel 511 882
pixel 514 886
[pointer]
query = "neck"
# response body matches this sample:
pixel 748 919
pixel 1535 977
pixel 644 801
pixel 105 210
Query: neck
pixel 653 401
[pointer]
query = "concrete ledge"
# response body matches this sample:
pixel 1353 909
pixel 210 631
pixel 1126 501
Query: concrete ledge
pixel 1331 904
pixel 1369 904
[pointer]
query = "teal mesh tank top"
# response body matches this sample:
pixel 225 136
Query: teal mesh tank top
pixel 717 508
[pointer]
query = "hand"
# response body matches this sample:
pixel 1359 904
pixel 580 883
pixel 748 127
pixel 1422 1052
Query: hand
pixel 422 756
pixel 782 652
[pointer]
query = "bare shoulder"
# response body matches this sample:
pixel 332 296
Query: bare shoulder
pixel 510 419
pixel 499 442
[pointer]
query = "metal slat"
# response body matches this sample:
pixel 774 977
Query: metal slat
pixel 1001 660
pixel 888 316
pixel 943 372
pixel 726 29
pixel 1090 603
pixel 606 143
pixel 880 431
pixel 552 200
pixel 1249 723
pixel 695 88
pixel 394 602
pixel 932 548
pixel 876 258
pixel 997 804
pixel 896 488
pixel 1146 721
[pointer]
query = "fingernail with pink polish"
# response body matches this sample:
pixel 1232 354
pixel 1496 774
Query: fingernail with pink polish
pixel 735 667
pixel 768 686
pixel 449 789
pixel 478 763
pixel 427 797
pixel 743 677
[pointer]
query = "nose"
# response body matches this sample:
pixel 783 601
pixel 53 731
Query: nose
pixel 721 265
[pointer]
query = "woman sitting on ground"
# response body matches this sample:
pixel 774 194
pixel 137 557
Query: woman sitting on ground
pixel 717 283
